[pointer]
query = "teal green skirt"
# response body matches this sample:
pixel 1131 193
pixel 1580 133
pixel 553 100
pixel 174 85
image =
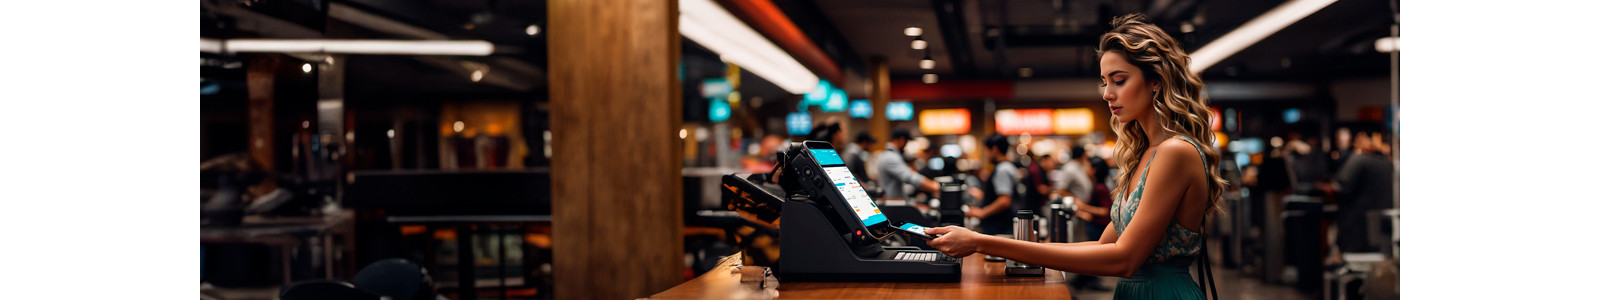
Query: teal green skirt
pixel 1169 280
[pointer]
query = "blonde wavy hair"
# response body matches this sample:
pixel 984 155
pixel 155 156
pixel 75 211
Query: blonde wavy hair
pixel 1179 107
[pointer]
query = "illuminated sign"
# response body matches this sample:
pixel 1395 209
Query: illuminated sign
pixel 1230 120
pixel 799 123
pixel 720 110
pixel 1216 119
pixel 860 108
pixel 945 121
pixel 1073 121
pixel 1019 121
pixel 898 111
pixel 836 101
pixel 715 88
pixel 818 95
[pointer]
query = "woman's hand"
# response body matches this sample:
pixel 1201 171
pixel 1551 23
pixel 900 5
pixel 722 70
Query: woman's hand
pixel 954 241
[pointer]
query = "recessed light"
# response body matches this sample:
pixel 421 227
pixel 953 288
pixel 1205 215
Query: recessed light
pixel 1387 44
pixel 533 30
pixel 305 68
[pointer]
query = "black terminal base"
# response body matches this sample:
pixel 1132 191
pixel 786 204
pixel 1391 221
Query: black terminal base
pixel 812 250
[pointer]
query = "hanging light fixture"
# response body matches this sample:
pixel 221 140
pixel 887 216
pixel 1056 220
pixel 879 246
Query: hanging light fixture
pixel 927 61
pixel 914 31
pixel 919 44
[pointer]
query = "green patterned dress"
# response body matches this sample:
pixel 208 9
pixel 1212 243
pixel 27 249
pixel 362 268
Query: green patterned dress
pixel 1165 274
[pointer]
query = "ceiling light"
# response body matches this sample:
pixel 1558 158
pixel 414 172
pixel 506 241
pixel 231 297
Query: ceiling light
pixel 926 64
pixel 459 126
pixel 913 31
pixel 930 78
pixel 210 46
pixel 919 44
pixel 1253 31
pixel 533 30
pixel 1186 27
pixel 1387 44
pixel 709 25
pixel 477 75
pixel 396 47
pixel 305 68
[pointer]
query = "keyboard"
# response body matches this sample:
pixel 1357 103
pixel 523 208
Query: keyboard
pixel 922 256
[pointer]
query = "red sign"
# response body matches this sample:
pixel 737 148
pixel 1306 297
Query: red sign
pixel 1019 121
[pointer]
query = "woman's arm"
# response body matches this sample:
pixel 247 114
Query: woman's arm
pixel 1118 254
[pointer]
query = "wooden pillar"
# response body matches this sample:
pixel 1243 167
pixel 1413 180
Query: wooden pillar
pixel 616 167
pixel 878 79
pixel 259 76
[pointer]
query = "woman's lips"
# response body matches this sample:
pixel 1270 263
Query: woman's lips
pixel 1115 109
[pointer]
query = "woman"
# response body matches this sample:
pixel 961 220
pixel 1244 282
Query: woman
pixel 1160 119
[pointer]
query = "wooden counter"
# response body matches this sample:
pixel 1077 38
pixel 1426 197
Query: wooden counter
pixel 979 280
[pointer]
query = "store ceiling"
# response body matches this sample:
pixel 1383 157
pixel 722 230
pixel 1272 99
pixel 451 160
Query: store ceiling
pixel 972 39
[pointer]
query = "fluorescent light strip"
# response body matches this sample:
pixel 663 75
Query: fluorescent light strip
pixel 1252 32
pixel 210 46
pixel 711 26
pixel 394 47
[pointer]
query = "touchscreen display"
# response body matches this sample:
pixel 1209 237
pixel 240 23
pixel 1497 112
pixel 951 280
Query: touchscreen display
pixel 854 195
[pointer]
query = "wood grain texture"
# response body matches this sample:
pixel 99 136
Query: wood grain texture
pixel 616 176
pixel 979 280
pixel 878 78
pixel 260 79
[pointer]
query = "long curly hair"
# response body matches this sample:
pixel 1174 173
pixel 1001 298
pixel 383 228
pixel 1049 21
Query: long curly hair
pixel 1179 107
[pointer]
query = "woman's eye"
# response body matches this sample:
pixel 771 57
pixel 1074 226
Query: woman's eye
pixel 1119 82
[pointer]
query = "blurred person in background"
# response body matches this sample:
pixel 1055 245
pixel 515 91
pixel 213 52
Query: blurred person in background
pixel 830 132
pixel 1364 184
pixel 999 189
pixel 1307 162
pixel 1095 213
pixel 1159 116
pixel 764 159
pixel 1038 180
pixel 1071 180
pixel 1341 149
pixel 1380 145
pixel 856 156
pixel 895 175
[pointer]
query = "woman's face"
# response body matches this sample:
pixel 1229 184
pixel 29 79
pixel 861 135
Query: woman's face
pixel 1124 88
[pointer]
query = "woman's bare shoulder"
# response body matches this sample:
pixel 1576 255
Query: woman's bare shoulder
pixel 1177 148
